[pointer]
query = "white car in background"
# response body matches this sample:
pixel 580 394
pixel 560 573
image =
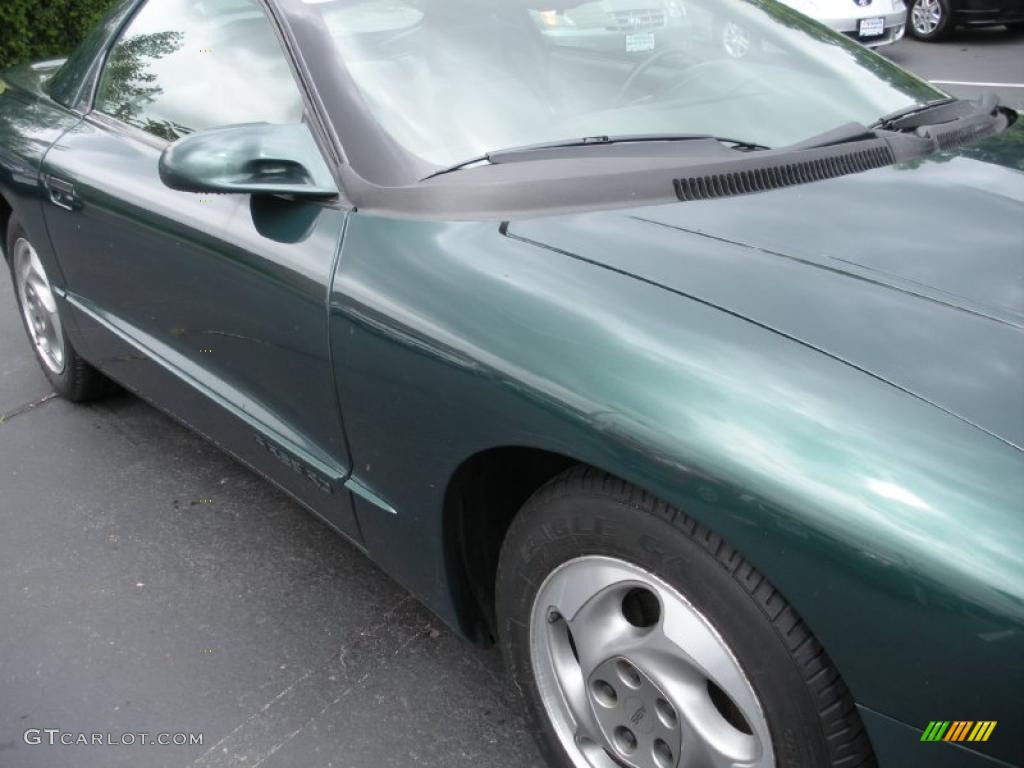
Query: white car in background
pixel 869 22
pixel 640 28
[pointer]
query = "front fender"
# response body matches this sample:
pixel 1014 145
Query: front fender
pixel 892 526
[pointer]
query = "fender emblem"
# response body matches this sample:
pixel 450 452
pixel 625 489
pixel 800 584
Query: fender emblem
pixel 295 464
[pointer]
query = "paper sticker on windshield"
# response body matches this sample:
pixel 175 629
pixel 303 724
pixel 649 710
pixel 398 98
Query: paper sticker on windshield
pixel 639 42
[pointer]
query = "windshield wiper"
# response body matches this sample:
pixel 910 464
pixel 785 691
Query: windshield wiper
pixel 518 154
pixel 902 117
pixel 929 116
pixel 921 120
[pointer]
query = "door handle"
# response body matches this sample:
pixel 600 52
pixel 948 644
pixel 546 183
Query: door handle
pixel 62 193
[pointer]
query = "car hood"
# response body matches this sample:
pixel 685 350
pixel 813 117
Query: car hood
pixel 912 273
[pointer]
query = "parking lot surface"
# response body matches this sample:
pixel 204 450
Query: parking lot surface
pixel 150 584
pixel 970 62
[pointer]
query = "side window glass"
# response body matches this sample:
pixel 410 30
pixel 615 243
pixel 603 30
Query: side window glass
pixel 187 65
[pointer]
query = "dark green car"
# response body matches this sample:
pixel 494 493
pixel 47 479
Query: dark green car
pixel 695 382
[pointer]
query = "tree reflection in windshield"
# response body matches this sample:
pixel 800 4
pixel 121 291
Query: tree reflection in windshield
pixel 129 86
pixel 184 66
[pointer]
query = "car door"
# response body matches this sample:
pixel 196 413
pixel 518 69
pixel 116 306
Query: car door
pixel 212 306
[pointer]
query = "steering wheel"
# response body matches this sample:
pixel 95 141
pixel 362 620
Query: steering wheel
pixel 641 69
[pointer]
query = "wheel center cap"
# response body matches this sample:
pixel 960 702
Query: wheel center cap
pixel 638 723
pixel 639 716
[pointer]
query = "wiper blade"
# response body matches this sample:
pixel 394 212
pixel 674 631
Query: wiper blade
pixel 938 110
pixel 921 119
pixel 914 109
pixel 518 154
pixel 639 138
pixel 949 120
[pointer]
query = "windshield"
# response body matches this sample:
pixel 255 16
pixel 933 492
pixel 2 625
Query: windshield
pixel 452 79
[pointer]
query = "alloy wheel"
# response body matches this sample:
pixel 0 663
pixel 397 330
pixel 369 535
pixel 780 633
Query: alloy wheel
pixel 631 674
pixel 925 16
pixel 38 305
pixel 735 40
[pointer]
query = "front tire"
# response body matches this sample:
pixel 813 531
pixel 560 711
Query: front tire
pixel 929 20
pixel 640 638
pixel 70 376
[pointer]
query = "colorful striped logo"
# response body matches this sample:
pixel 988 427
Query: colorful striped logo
pixel 958 730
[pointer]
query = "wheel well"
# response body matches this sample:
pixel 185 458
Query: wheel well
pixel 482 499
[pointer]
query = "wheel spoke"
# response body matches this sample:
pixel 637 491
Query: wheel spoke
pixel 45 297
pixel 24 270
pixel 574 687
pixel 600 631
pixel 694 639
pixel 568 596
pixel 712 742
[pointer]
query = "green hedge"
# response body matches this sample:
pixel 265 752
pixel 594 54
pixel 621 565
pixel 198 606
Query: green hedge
pixel 38 29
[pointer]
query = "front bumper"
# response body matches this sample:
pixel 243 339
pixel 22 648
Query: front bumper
pixel 894 26
pixel 891 35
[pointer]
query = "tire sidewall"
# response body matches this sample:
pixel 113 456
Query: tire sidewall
pixel 547 535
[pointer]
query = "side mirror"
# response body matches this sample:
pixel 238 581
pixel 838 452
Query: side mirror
pixel 255 159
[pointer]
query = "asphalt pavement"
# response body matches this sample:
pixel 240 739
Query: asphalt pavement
pixel 149 584
pixel 970 62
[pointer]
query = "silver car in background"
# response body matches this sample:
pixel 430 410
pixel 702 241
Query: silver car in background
pixel 638 28
pixel 870 22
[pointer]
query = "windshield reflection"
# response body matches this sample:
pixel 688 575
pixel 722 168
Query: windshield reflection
pixel 451 79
